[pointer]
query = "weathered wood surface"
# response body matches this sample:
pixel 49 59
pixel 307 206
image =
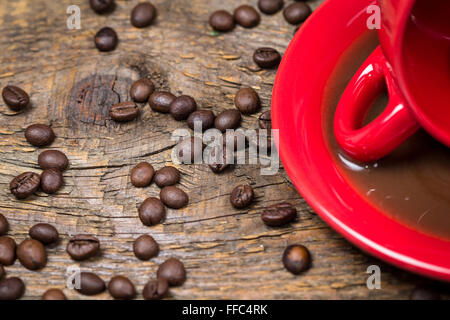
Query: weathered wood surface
pixel 228 253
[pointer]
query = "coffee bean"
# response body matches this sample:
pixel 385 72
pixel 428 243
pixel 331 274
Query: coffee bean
pixel 242 196
pixel 143 15
pixel 246 16
pixel 156 289
pixel 267 58
pixel 15 98
pixel 151 211
pixel 222 20
pixel 141 90
pixel 83 246
pixel 51 180
pixel 189 150
pixel 297 12
pixel 44 232
pixel 7 251
pixel 203 118
pixel 270 6
pixel 2 272
pixel 106 39
pixel 265 120
pixel 167 176
pixel 124 111
pixel 173 271
pixel 31 254
pixel 102 6
pixel 90 284
pixel 279 214
pixel 54 294
pixel 39 135
pixel 218 160
pixel 53 159
pixel 173 197
pixel 247 101
pixel 11 288
pixel 160 101
pixel 4 225
pixel 145 247
pixel 228 119
pixel 424 293
pixel 25 184
pixel 121 288
pixel 182 107
pixel 142 175
pixel 296 258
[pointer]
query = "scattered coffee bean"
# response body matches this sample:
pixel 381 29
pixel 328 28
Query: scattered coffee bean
pixel 173 271
pixel 242 196
pixel 102 6
pixel 106 39
pixel 156 289
pixel 51 180
pixel 44 233
pixel 143 15
pixel 189 150
pixel 124 111
pixel 91 284
pixel 83 246
pixel 265 120
pixel 296 258
pixel 173 197
pixel 247 101
pixel 205 118
pixel 25 184
pixel 53 159
pixel 297 12
pixel 145 247
pixel 2 272
pixel 218 161
pixel 424 293
pixel 167 176
pixel 7 251
pixel 246 16
pixel 270 6
pixel 279 214
pixel 39 135
pixel 15 98
pixel 121 288
pixel 54 294
pixel 160 101
pixel 267 58
pixel 141 90
pixel 11 288
pixel 4 225
pixel 228 119
pixel 151 211
pixel 222 20
pixel 142 175
pixel 31 254
pixel 182 107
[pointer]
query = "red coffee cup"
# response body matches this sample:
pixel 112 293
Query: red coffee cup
pixel 413 64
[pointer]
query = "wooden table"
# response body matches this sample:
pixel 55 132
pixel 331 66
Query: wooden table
pixel 228 253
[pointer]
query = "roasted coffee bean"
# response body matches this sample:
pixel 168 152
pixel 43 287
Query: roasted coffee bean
pixel 44 233
pixel 143 15
pixel 189 150
pixel 145 247
pixel 124 111
pixel 173 197
pixel 160 101
pixel 297 12
pixel 218 160
pixel 121 288
pixel 270 6
pixel 242 196
pixel 11 288
pixel 173 271
pixel 265 120
pixel 246 16
pixel 267 58
pixel 39 135
pixel 156 289
pixel 151 211
pixel 141 90
pixel 83 246
pixel 31 254
pixel 91 284
pixel 222 20
pixel 7 251
pixel 2 272
pixel 203 118
pixel 51 180
pixel 15 98
pixel 53 159
pixel 25 184
pixel 142 174
pixel 279 214
pixel 424 293
pixel 4 225
pixel 167 176
pixel 228 119
pixel 54 294
pixel 102 6
pixel 296 258
pixel 106 39
pixel 247 101
pixel 262 140
pixel 182 107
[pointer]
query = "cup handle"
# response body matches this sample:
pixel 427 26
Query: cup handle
pixel 390 129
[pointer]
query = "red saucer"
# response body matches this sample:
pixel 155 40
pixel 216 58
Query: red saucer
pixel 297 112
